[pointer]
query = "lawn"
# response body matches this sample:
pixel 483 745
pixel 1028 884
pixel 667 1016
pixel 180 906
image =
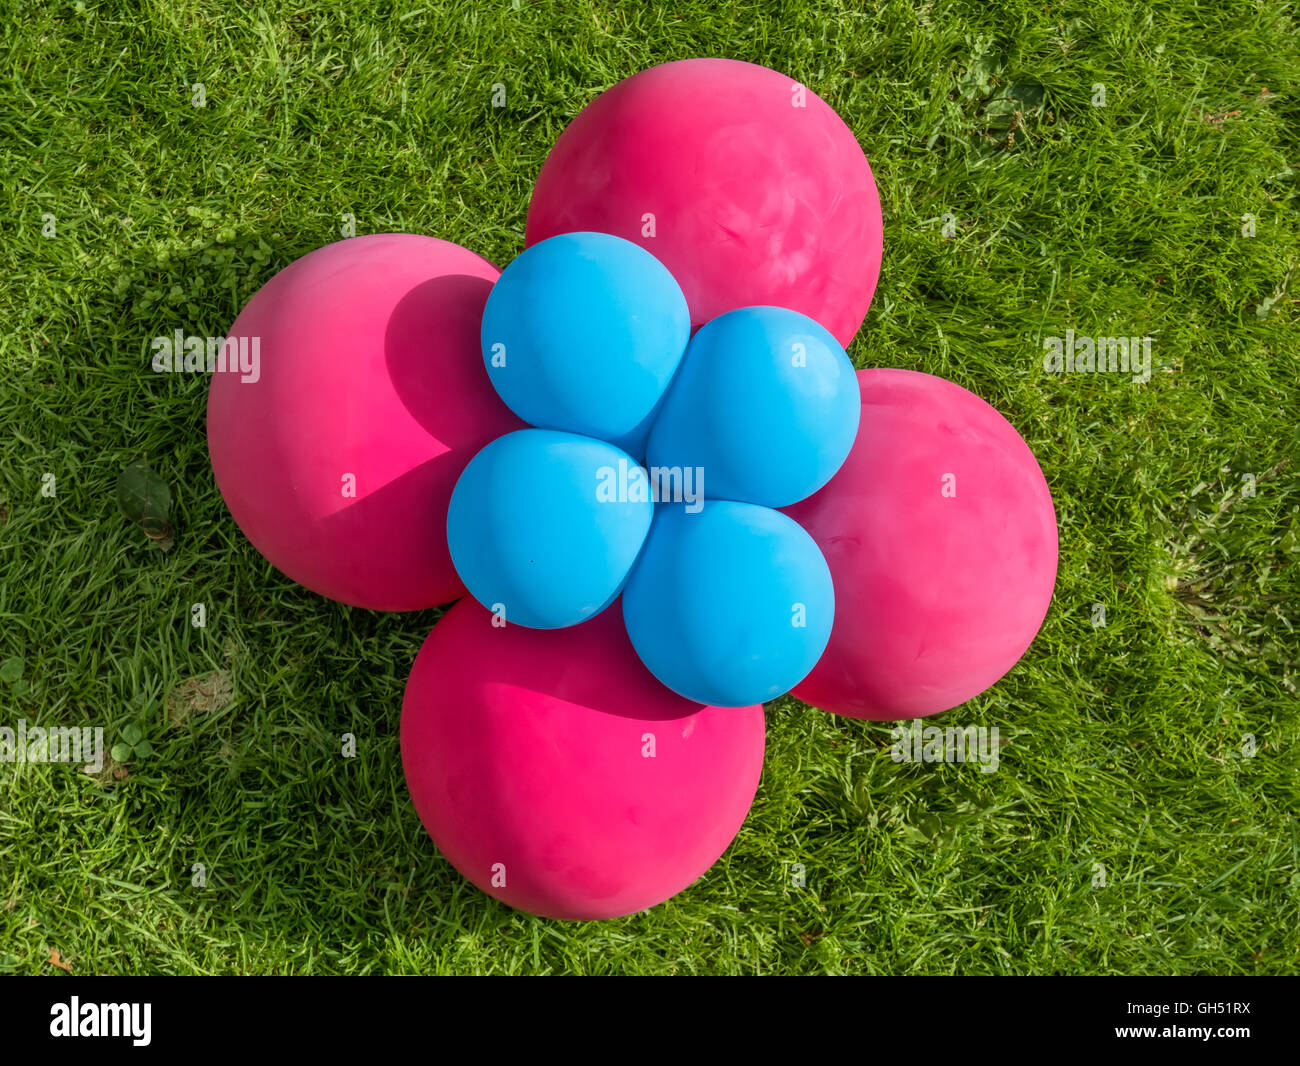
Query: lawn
pixel 1108 168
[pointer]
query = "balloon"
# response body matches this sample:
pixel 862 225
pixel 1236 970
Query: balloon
pixel 544 526
pixel 941 536
pixel 338 460
pixel 730 605
pixel 765 406
pixel 558 776
pixel 583 333
pixel 743 183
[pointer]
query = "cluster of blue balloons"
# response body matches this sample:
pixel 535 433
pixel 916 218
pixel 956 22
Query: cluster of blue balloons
pixel 655 469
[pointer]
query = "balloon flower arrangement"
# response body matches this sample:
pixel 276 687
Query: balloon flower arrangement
pixel 642 451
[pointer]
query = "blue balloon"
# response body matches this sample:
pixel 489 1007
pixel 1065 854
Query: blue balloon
pixel 582 333
pixel 766 404
pixel 544 527
pixel 731 605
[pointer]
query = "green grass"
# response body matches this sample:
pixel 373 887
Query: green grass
pixel 1125 742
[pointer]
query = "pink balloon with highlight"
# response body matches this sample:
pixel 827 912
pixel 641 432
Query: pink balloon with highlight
pixel 370 398
pixel 941 537
pixel 555 773
pixel 741 181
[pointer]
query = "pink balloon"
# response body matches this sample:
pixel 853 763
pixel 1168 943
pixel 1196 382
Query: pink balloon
pixel 756 190
pixel 941 538
pixel 556 774
pixel 370 375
